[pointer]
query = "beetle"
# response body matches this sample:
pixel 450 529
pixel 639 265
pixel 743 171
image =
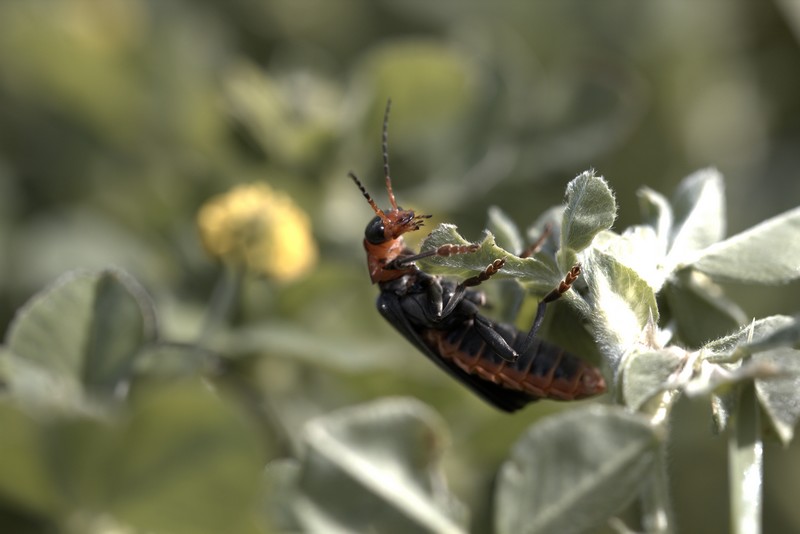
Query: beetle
pixel 442 318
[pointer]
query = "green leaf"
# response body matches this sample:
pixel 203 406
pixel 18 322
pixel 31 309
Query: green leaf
pixel 699 208
pixel 590 209
pixel 375 468
pixel 504 229
pixel 768 253
pixel 571 472
pixel 86 327
pixel 780 395
pixel 623 304
pixel 538 271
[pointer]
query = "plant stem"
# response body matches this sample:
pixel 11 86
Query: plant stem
pixel 656 508
pixel 746 463
pixel 224 297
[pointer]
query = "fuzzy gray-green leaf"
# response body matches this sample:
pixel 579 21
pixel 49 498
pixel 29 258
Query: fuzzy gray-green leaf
pixel 88 326
pixel 699 211
pixel 374 468
pixel 779 395
pixel 622 303
pixel 590 209
pixel 647 374
pixel 571 472
pixel 768 253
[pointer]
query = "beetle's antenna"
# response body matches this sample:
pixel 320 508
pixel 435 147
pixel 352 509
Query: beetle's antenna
pixel 385 146
pixel 375 208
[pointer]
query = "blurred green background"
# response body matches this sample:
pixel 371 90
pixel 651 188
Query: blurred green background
pixel 118 119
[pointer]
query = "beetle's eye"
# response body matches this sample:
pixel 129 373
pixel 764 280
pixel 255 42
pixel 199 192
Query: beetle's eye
pixel 374 231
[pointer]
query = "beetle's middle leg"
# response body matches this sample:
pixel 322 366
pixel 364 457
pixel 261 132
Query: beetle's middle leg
pixel 562 288
pixel 458 294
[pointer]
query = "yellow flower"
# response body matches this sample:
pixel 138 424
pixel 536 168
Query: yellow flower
pixel 263 230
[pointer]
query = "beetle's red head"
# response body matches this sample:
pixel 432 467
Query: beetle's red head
pixel 391 224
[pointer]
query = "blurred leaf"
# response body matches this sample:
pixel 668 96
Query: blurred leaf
pixel 768 253
pixel 538 271
pixel 591 208
pixel 700 309
pixel 281 478
pixel 25 479
pixel 184 462
pixel 699 207
pixel 425 77
pixel 571 472
pixel 374 468
pixel 293 116
pixel 779 394
pixel 647 374
pixel 42 391
pixel 279 338
pixel 551 217
pixel 622 304
pixel 86 327
pixel 180 461
pixel 174 360
pixel 504 230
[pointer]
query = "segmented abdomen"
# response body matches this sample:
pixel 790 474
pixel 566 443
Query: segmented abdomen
pixel 544 371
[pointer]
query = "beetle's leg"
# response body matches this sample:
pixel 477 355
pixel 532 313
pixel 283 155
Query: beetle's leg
pixel 493 338
pixel 444 250
pixel 562 288
pixel 458 294
pixel 537 245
